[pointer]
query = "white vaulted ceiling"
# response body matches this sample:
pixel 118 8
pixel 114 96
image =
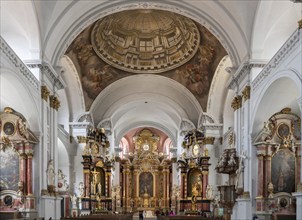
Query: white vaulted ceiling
pixel 43 30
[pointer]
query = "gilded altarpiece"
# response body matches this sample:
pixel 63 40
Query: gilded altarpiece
pixel 195 192
pixel 97 171
pixel 16 165
pixel 279 162
pixel 146 175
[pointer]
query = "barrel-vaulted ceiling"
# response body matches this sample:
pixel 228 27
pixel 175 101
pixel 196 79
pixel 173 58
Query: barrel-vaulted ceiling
pixel 43 31
pixel 146 41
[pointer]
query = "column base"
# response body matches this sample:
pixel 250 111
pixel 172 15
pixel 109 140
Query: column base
pixel 51 207
pixel 298 196
pixel 242 209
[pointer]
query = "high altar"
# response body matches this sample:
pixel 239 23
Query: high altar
pixel 146 175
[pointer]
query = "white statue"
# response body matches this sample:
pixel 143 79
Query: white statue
pixel 232 161
pixel 209 192
pixel 81 189
pixel 100 188
pixel 50 173
pixel 73 201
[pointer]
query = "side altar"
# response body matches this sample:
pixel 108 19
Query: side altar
pixel 95 191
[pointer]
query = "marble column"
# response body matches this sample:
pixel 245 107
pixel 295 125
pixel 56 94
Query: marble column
pixel 268 170
pixel 260 186
pixel 204 183
pixel 22 171
pixel 182 185
pixel 29 172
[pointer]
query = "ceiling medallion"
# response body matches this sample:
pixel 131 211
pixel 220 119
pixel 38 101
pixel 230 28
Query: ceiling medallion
pixel 144 40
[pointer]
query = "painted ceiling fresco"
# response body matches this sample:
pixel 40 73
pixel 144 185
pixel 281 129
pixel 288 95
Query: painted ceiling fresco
pixel 101 63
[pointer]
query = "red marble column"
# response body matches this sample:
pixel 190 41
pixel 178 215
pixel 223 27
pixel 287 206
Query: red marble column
pixel 268 172
pixel 204 183
pixel 260 175
pixel 29 173
pixel 86 183
pixel 164 187
pixel 22 171
pixel 182 185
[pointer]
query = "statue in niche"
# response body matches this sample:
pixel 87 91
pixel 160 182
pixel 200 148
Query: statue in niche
pixel 100 188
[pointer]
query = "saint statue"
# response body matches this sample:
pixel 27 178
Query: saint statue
pixel 50 173
pixel 209 192
pixel 100 188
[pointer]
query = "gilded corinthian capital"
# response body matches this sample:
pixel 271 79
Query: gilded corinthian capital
pixel 44 93
pixel 236 103
pixel 54 102
pixel 246 93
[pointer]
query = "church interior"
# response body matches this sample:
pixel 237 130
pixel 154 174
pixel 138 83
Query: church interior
pixel 151 109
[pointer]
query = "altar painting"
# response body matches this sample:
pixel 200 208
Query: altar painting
pixel 283 171
pixel 146 183
pixel 9 170
pixel 194 182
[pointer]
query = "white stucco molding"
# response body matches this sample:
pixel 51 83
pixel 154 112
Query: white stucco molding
pixel 49 72
pixel 293 41
pixel 240 74
pixel 107 125
pixel 17 62
pixel 185 126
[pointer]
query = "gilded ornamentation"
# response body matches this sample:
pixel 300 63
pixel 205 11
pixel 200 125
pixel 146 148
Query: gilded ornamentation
pixel 299 187
pixel 146 141
pixel 22 128
pixel 44 93
pixel 81 139
pixel 209 140
pixel 286 111
pixel 237 102
pixel 300 24
pixel 54 102
pixel 246 93
pixel 9 110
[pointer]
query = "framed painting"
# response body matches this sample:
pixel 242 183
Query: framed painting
pixel 283 171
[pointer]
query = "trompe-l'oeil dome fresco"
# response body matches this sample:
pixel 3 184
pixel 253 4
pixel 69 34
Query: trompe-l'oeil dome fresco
pixel 146 41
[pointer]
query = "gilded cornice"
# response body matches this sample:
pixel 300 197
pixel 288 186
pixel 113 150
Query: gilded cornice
pixel 246 93
pixel 17 62
pixel 288 46
pixel 44 93
pixel 237 102
pixel 54 102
